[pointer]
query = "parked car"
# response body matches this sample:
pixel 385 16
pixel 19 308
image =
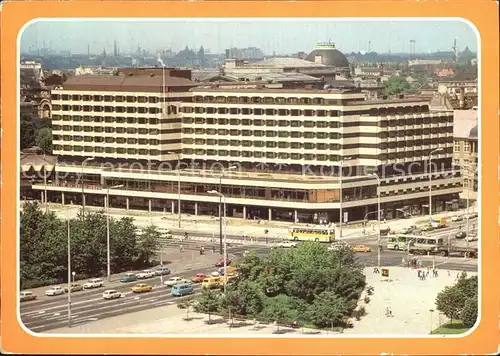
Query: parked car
pixel 173 281
pixel 473 216
pixel 408 230
pixel 182 289
pixel 54 291
pixel 338 245
pixel 461 235
pixel 93 283
pixel 141 288
pixel 75 287
pixel 198 278
pixel 162 271
pixel 361 248
pixel 111 294
pixel 147 273
pixel 128 277
pixel 288 244
pixel 457 218
pixel 27 296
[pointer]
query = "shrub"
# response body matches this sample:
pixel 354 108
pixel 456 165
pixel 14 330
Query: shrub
pixel 367 299
pixel 469 313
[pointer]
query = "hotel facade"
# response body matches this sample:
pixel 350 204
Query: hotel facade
pixel 275 154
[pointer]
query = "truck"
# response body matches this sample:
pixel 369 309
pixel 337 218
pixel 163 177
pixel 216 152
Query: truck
pixel 438 222
pixel 432 245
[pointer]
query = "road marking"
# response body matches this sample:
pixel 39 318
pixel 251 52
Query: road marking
pixel 153 300
pixel 56 314
pixel 41 312
pixel 137 298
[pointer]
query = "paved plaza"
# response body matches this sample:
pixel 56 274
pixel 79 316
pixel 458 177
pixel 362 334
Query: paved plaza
pixel 410 299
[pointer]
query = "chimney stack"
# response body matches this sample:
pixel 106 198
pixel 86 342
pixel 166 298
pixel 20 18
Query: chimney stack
pixel 461 98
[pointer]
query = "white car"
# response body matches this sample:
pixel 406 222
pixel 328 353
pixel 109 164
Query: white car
pixel 457 218
pixel 93 283
pixel 338 245
pixel 54 291
pixel 111 294
pixel 287 244
pixel 173 281
pixel 147 273
pixel 472 237
pixel 215 274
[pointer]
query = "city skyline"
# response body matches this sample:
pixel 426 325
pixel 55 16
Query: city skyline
pixel 378 36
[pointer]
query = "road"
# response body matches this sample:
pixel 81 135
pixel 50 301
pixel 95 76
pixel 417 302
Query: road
pixel 48 313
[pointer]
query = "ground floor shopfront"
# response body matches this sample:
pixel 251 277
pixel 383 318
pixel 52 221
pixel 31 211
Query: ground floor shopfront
pixel 261 209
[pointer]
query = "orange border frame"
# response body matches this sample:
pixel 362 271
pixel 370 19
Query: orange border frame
pixel 482 13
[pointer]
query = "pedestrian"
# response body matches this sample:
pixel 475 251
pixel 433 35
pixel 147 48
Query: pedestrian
pixel 181 248
pixel 213 249
pixel 436 273
pixel 427 273
pixel 449 273
pixel 419 274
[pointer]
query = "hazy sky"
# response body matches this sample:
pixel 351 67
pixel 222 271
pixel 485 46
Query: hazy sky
pixel 282 36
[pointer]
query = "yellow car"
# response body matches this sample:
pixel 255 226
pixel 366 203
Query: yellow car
pixel 140 288
pixel 361 248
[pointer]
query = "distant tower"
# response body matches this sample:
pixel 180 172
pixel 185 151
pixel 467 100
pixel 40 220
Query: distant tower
pixel 104 52
pixel 115 49
pixel 369 46
pixel 412 47
pixel 88 49
pixel 455 51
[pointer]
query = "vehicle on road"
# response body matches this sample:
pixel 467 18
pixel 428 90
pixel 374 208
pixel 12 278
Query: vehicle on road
pixel 220 261
pixel 75 287
pixel 162 271
pixel 211 282
pixel 471 238
pixel 338 245
pixel 421 245
pixel 147 273
pixel 312 233
pixel 461 235
pixel 408 230
pixel 111 294
pixel 128 277
pixel 27 296
pixel 173 281
pixel 141 288
pixel 231 271
pixel 198 278
pixel 427 228
pixel 288 244
pixel 438 222
pixel 361 248
pixel 54 291
pixel 215 274
pixel 182 289
pixel 93 283
pixel 399 242
pixel 457 218
pixel 473 215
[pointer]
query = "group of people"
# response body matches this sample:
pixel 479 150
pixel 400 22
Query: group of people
pixel 423 274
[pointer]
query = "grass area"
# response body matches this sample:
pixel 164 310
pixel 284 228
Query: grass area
pixel 451 328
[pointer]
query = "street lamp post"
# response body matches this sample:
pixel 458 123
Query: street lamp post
pixel 69 275
pixel 45 188
pixel 430 181
pixel 221 205
pixel 178 185
pixel 161 263
pixel 108 249
pixel 73 274
pixel 225 234
pixel 375 176
pixel 83 186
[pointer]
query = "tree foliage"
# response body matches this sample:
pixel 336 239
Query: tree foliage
pixel 396 85
pixel 44 246
pixel 43 140
pixel 296 285
pixel 208 303
pixel 469 312
pixel 460 300
pixel 35 132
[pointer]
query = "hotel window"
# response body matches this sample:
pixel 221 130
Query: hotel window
pixel 282 155
pixel 234 111
pixel 258 122
pixel 98 139
pixel 131 131
pixel 120 130
pixel 109 129
pixel 270 123
pixel 283 134
pixel 309 135
pixel 283 123
pixel 258 133
pixel 271 144
pixel 143 141
pixel 270 134
pixel 466 146
pixel 67 148
pixel 87 129
pixel 154 152
pixel 67 138
pixel 202 131
pixel 221 132
pixel 234 122
pixel 78 148
pixel 271 155
pixel 235 143
pixel 143 152
pixel 321 146
pixel 121 140
pixel 334 158
pixel 198 141
pixel 234 132
pixel 283 145
pixel 131 151
pixel 109 140
pixel 130 141
pixel 258 144
pixel 88 139
pixel 296 134
pixel 246 122
pixel 295 124
pixel 88 149
pixel 296 145
pixel 309 146
pixel 223 152
pixel 131 120
pixel 258 154
pixel 212 152
pixel 296 156
pixel 77 128
pixel 235 153
pixel 322 157
pixel 334 136
pixel 121 150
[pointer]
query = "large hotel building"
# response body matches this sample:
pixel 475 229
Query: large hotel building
pixel 286 148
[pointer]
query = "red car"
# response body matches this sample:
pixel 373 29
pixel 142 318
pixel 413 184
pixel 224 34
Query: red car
pixel 220 262
pixel 198 278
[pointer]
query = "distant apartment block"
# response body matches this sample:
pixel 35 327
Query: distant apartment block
pixel 466 150
pixel 250 53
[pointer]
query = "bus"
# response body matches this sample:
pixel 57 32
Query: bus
pixel 312 233
pixel 399 241
pixel 426 244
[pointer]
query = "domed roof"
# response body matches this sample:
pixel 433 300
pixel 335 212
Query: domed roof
pixel 330 56
pixel 473 132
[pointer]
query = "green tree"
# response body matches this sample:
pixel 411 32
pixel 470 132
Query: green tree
pixel 278 310
pixel 43 140
pixel 468 286
pixel 27 132
pixel 149 242
pixel 396 85
pixel 469 312
pixel 450 302
pixel 327 310
pixel 208 303
pixel 123 241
